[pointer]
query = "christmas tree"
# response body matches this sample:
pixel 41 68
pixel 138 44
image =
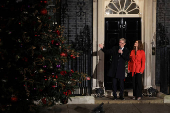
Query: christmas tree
pixel 33 56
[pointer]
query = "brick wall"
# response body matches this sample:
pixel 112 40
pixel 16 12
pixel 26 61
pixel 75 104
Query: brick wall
pixel 163 37
pixel 71 20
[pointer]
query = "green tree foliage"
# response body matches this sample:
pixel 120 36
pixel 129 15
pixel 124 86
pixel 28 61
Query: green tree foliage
pixel 33 54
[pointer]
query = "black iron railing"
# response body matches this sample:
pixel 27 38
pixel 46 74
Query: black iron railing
pixel 79 35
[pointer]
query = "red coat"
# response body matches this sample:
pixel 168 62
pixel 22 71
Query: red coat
pixel 137 62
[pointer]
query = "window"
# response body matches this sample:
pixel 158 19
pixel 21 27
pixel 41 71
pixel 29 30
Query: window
pixel 122 7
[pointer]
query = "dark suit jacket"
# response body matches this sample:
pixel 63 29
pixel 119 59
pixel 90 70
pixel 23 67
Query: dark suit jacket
pixel 117 68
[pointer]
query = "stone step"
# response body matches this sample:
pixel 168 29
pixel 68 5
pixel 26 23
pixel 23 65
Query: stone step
pixel 128 100
pixel 109 100
pixel 82 100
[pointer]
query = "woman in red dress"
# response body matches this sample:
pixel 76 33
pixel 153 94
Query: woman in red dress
pixel 136 66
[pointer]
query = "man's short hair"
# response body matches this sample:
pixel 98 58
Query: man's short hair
pixel 123 39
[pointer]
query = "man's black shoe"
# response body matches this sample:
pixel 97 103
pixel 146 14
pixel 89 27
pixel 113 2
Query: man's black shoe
pixel 114 98
pixel 121 98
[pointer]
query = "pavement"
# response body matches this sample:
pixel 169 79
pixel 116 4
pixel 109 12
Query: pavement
pixel 145 105
pixel 109 108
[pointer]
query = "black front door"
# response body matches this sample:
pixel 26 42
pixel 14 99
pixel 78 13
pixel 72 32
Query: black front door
pixel 116 28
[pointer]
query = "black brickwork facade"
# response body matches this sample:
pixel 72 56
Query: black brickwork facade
pixel 162 41
pixel 78 13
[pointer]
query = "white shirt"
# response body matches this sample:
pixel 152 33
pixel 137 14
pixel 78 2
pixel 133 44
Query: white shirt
pixel 122 50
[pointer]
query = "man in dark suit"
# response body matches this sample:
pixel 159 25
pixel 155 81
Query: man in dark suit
pixel 120 54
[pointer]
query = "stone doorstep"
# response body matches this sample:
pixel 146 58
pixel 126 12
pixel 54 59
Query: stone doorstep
pixel 161 95
pixel 82 100
pixel 162 98
pixel 93 100
pixel 156 101
pixel 165 97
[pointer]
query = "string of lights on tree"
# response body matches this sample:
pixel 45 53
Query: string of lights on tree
pixel 33 55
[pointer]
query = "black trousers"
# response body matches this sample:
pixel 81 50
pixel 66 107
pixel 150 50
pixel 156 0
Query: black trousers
pixel 137 85
pixel 115 87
